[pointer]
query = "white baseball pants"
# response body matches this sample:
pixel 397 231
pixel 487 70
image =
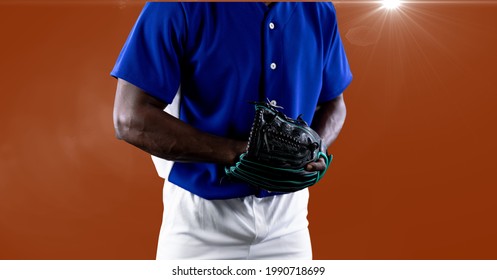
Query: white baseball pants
pixel 240 228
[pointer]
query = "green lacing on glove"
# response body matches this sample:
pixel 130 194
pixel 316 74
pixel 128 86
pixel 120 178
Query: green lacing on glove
pixel 327 159
pixel 276 179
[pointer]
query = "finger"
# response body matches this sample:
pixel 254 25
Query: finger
pixel 319 165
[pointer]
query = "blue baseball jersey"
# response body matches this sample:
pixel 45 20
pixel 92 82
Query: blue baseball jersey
pixel 224 55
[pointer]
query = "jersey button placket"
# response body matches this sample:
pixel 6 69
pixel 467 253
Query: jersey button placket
pixel 271 61
pixel 271 26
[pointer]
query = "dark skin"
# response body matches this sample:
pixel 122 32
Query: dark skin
pixel 139 119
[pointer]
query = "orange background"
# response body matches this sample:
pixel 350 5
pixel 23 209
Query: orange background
pixel 414 175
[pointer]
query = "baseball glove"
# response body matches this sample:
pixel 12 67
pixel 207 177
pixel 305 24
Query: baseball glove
pixel 278 151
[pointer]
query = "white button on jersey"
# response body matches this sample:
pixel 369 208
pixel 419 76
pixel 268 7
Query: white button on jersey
pixel 273 65
pixel 271 25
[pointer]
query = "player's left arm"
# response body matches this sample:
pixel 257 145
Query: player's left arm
pixel 328 122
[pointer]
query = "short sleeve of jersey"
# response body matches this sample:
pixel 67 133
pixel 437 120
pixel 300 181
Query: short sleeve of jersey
pixel 150 58
pixel 336 73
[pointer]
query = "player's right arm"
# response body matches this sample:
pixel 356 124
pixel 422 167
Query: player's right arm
pixel 139 119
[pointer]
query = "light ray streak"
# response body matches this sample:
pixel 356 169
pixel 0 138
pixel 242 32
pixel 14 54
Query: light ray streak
pixel 418 39
pixel 407 21
pixel 409 17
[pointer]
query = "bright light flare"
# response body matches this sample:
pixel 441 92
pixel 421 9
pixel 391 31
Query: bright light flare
pixel 391 4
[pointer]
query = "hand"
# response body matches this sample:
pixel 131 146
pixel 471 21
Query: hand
pixel 319 165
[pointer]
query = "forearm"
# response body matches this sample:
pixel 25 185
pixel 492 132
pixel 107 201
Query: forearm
pixel 329 119
pixel 141 121
pixel 167 137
